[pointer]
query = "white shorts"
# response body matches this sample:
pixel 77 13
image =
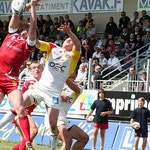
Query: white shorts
pixel 67 123
pixel 36 96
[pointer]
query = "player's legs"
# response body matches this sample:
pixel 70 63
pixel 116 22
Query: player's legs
pixel 102 133
pixel 144 143
pixel 136 142
pixel 65 136
pixel 53 117
pixel 1 97
pixel 95 136
pixel 81 137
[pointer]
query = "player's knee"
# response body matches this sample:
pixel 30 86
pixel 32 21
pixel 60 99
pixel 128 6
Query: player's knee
pixel 53 127
pixel 20 110
pixel 85 138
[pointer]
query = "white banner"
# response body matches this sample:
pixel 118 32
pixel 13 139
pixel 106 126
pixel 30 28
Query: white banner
pixel 143 5
pixel 97 6
pixel 69 6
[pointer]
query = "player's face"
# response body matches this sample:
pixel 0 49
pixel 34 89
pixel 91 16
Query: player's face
pixel 141 103
pixel 36 70
pixel 101 95
pixel 68 44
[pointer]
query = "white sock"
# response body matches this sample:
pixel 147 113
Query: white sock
pixel 8 117
pixel 54 139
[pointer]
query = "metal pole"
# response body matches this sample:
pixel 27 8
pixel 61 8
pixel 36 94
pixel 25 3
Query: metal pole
pixel 89 73
pixel 148 75
pixel 137 61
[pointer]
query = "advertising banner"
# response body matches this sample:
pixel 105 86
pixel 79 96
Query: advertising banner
pixel 69 6
pixel 125 138
pixel 143 5
pixel 8 132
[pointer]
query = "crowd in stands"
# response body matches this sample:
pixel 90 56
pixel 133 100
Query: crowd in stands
pixel 105 49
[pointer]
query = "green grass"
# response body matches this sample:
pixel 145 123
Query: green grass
pixel 7 145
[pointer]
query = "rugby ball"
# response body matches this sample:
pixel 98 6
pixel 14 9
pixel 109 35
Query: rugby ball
pixel 18 7
pixel 91 118
pixel 136 125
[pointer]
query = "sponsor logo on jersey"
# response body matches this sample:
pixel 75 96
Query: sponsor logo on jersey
pixel 57 66
pixel 14 83
pixel 55 100
pixel 67 55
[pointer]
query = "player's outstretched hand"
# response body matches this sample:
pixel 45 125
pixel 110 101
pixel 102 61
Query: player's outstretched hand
pixel 36 3
pixel 64 28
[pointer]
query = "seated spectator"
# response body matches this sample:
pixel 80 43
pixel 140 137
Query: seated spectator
pixel 43 59
pixel 135 20
pixel 56 23
pixel 146 25
pixel 132 79
pixel 97 53
pixel 58 41
pixel 142 85
pixel 137 31
pixel 40 21
pixel 84 40
pixel 123 21
pixel 44 30
pixel 124 36
pixel 83 61
pixel 119 52
pixel 85 52
pixel 61 20
pixel 4 28
pixel 95 63
pixel 88 18
pixel 91 30
pixel 52 34
pixel 102 48
pixel 144 17
pixel 26 71
pixel 111 27
pixel 108 51
pixel 126 61
pixel 146 37
pixel 113 63
pixel 103 61
pixel 102 40
pixel 91 42
pixel 68 21
pixel 81 75
pixel 112 44
pixel 80 31
pixel 42 37
pixel 130 43
pixel 139 43
pixel 49 21
pixel 97 76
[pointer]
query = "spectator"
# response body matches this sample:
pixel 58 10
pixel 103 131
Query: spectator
pixel 119 52
pixel 95 63
pixel 1 24
pixel 108 51
pixel 49 21
pixel 103 109
pixel 61 20
pixel 123 21
pixel 113 63
pixel 83 61
pixel 91 42
pixel 103 61
pixel 40 21
pixel 4 28
pixel 59 41
pixel 52 34
pixel 97 53
pixel 42 37
pixel 142 85
pixel 80 30
pixel 135 20
pixel 112 44
pixel 139 43
pixel 85 52
pixel 126 62
pixel 43 59
pixel 102 40
pixel 146 38
pixel 144 17
pixel 132 78
pixel 88 18
pixel 56 23
pixel 68 21
pixel 84 40
pixel 124 36
pixel 26 71
pixel 44 30
pixel 140 115
pixel 137 31
pixel 82 74
pixel 97 76
pixel 146 25
pixel 91 30
pixel 111 27
pixel 131 42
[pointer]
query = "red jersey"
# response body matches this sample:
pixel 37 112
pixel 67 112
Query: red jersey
pixel 13 53
pixel 28 84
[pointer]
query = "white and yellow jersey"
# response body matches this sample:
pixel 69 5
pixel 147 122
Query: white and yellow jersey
pixel 65 106
pixel 59 66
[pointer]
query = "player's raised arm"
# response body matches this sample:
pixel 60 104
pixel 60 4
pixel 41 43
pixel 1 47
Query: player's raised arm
pixel 76 42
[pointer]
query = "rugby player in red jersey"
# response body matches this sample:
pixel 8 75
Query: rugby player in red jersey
pixel 36 72
pixel 13 52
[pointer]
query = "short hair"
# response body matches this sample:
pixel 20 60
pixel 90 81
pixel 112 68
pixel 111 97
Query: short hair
pixel 141 99
pixel 34 62
pixel 101 90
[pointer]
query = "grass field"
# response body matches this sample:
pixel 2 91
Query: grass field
pixel 6 145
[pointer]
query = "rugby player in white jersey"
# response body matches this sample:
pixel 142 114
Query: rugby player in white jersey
pixel 68 130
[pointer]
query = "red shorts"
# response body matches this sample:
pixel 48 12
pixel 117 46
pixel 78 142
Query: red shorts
pixel 7 85
pixel 101 125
